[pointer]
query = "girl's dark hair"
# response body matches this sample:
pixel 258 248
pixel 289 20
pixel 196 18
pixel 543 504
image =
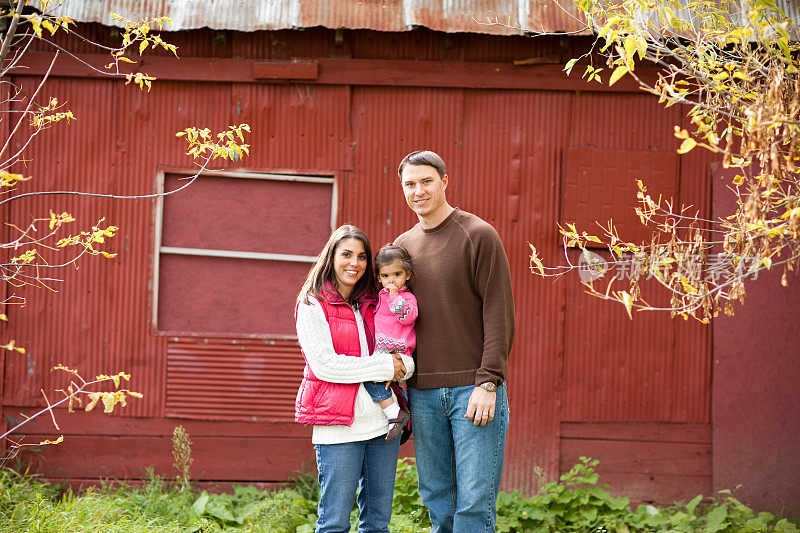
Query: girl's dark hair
pixel 394 253
pixel 322 270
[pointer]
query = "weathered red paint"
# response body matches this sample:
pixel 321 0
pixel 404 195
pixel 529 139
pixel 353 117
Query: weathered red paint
pixel 574 361
pixel 756 439
pixel 337 71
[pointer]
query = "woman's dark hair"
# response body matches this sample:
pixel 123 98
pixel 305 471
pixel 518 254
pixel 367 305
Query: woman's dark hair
pixel 322 270
pixel 394 253
pixel 423 157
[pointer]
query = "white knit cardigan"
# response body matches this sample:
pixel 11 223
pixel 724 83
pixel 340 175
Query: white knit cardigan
pixel 314 336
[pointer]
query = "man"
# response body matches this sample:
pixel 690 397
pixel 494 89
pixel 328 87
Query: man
pixel 465 328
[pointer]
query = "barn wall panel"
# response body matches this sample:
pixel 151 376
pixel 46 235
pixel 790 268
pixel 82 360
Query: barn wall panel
pixel 601 185
pixel 651 367
pixel 173 107
pixel 75 310
pixel 622 122
pixel 574 360
pixel 693 363
pixel 646 462
pixel 511 145
pixel 387 124
pixel 297 127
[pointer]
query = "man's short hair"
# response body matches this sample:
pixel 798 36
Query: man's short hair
pixel 423 157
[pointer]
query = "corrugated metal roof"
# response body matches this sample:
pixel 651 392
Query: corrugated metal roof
pixel 450 16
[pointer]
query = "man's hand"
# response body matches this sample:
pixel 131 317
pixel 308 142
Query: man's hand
pixel 400 368
pixel 480 408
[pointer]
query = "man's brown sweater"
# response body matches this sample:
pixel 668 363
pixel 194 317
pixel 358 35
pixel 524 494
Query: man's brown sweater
pixel 465 326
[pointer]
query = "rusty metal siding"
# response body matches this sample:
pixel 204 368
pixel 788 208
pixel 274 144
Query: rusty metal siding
pixel 658 370
pixel 498 162
pixel 98 322
pixel 78 334
pixel 217 379
pixel 387 15
pixel 505 150
pixel 296 127
pixel 509 159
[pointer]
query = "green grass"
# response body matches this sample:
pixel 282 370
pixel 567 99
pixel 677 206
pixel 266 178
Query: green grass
pixel 576 503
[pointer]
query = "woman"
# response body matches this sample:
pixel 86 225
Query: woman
pixel 335 328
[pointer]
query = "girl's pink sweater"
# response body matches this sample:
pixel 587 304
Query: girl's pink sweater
pixel 394 322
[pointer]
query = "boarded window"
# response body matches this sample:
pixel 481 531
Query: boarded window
pixel 235 248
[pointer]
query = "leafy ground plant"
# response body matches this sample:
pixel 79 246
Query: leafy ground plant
pixel 578 503
pixel 575 503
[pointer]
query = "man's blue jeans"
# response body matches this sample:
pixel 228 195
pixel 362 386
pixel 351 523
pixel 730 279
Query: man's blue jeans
pixel 368 466
pixel 459 463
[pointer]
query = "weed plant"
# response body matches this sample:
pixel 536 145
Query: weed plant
pixel 28 505
pixel 575 503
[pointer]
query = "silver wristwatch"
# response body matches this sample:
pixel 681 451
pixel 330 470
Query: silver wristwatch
pixel 488 386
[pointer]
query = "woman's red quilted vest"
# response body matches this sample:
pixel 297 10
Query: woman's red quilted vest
pixel 321 402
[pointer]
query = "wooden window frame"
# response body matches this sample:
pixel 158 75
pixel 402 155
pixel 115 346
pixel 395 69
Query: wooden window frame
pixel 158 249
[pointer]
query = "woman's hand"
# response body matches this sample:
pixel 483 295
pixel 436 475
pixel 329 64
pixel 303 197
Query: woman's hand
pixel 399 367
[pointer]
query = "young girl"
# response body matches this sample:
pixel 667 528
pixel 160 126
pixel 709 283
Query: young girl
pixel 394 325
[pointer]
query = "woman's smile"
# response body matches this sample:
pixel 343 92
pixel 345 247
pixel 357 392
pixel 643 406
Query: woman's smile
pixel 349 264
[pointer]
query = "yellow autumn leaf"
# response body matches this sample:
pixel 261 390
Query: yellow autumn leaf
pixel 8 179
pixel 49 26
pixel 617 74
pixel 627 301
pixel 681 133
pixel 45 442
pixel 687 145
pixel 73 400
pixel 109 401
pixel 535 261
pixel 65 369
pixel 94 397
pixel 11 346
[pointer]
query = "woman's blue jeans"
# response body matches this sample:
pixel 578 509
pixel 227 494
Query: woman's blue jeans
pixel 367 467
pixel 459 463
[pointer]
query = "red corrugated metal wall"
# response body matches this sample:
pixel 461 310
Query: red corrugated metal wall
pixel 583 379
